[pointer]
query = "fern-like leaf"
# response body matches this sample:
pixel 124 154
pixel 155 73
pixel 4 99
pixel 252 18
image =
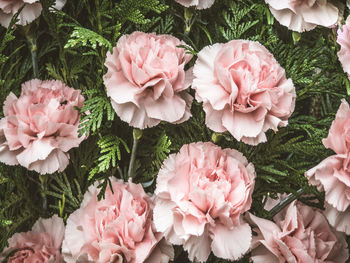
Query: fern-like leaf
pixel 110 152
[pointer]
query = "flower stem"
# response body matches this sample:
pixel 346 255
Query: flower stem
pixel 189 16
pixel 136 137
pixel 290 198
pixel 43 181
pixel 32 43
pixel 33 51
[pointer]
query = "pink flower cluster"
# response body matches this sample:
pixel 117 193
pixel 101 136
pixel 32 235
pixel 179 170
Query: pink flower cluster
pixel 116 228
pixel 31 10
pixel 304 15
pixel 40 245
pixel 202 192
pixel 332 175
pixel 41 126
pixel 243 88
pixel 299 234
pixel 146 80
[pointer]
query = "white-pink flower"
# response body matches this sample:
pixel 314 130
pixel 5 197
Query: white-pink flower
pixel 343 39
pixel 202 192
pixel 198 4
pixel 41 126
pixel 299 233
pixel 243 89
pixel 118 228
pixel 40 245
pixel 332 175
pixel 31 10
pixel 304 15
pixel 146 80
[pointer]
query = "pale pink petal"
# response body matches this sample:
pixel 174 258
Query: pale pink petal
pixel 324 15
pixel 199 4
pixel 8 157
pixel 55 161
pixel 198 247
pixel 267 228
pixel 167 109
pixel 340 220
pixel 239 241
pixel 54 226
pixel 278 4
pixel 336 139
pixel 343 38
pixel 163 253
pixel 162 215
pixel 324 175
pixel 59 4
pixel 213 118
pixel 263 255
pixel 29 13
pixel 38 150
pixel 136 117
pixel 241 124
pixel 303 16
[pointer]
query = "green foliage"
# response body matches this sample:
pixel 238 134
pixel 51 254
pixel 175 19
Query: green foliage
pixel 109 153
pixel 85 37
pixel 238 19
pixel 72 46
pixel 151 158
pixel 68 193
pixel 94 110
pixel 17 202
pixel 132 10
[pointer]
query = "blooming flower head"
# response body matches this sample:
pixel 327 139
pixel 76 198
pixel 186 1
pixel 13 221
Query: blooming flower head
pixel 304 15
pixel 146 80
pixel 41 126
pixel 332 175
pixel 299 234
pixel 202 192
pixel 199 4
pixel 117 228
pixel 40 245
pixel 31 10
pixel 243 89
pixel 343 39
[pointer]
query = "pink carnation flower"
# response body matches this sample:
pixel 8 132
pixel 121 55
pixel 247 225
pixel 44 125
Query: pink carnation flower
pixel 201 194
pixel 41 126
pixel 332 175
pixel 243 89
pixel 41 245
pixel 118 228
pixel 31 11
pixel 146 80
pixel 304 15
pixel 300 234
pixel 199 4
pixel 343 40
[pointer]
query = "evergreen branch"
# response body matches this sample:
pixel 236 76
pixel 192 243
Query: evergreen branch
pixel 110 152
pixel 94 110
pixel 87 38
